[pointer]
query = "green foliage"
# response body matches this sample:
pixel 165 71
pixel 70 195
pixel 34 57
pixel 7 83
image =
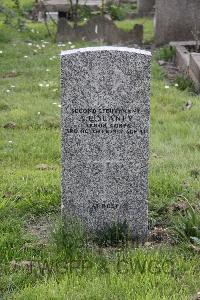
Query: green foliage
pixel 184 83
pixel 117 12
pixel 120 12
pixel 13 16
pixel 84 12
pixel 166 53
pixel 188 227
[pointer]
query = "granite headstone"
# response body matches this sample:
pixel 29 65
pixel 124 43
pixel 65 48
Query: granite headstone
pixel 105 133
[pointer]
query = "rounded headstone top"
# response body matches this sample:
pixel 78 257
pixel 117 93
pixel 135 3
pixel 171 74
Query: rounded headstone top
pixel 106 48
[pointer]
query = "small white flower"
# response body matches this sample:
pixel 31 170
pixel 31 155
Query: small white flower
pixel 43 46
pixel 85 19
pixel 10 142
pixel 59 105
pixel 30 44
pixel 69 43
pixel 25 56
pixel 47 85
pixel 1 51
pixel 72 47
pixel 50 58
pixel 54 103
pixel 176 84
pixel 32 30
pixel 12 86
pixel 166 86
pixel 38 113
pixel 54 57
pixel 55 90
pixel 35 51
pixel 8 91
pixel 41 84
pixel 47 70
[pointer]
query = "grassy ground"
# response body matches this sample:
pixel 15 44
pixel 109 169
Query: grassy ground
pixel 32 267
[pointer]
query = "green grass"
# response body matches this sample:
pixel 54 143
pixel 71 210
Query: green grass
pixel 27 193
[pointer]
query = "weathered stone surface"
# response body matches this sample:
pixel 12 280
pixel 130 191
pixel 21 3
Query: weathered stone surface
pixel 176 20
pixel 105 130
pixel 145 7
pixel 99 28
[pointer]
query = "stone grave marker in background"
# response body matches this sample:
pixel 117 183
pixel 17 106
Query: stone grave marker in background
pixel 145 7
pixel 105 133
pixel 176 20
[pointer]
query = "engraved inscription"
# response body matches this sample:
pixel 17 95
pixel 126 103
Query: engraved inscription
pixel 106 120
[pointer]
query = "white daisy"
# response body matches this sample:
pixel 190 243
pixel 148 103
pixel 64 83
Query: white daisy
pixel 166 86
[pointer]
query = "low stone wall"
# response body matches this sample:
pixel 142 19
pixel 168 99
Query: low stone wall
pixel 101 29
pixel 188 62
pixel 176 20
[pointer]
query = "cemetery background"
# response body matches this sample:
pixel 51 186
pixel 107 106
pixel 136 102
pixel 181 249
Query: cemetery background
pixel 37 265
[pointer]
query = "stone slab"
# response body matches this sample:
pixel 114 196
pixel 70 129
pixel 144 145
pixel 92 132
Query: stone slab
pixel 64 5
pixel 105 137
